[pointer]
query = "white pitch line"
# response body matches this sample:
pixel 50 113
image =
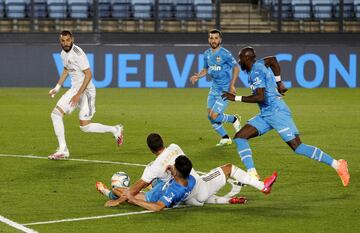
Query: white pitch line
pixel 232 192
pixel 16 225
pixel 87 218
pixel 79 160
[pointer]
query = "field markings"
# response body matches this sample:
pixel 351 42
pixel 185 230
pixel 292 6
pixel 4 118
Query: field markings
pixel 234 189
pixel 88 218
pixel 78 160
pixel 16 225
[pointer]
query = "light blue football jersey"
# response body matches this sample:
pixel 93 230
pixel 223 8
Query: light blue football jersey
pixel 261 77
pixel 170 193
pixel 219 65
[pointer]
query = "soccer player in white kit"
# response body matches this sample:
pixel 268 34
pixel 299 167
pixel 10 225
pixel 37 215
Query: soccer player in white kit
pixel 81 95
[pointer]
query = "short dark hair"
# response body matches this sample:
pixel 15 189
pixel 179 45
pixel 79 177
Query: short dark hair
pixel 183 165
pixel 66 33
pixel 216 31
pixel 249 51
pixel 155 142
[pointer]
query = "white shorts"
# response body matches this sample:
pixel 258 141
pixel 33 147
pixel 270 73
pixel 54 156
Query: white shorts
pixel 214 181
pixel 206 186
pixel 86 103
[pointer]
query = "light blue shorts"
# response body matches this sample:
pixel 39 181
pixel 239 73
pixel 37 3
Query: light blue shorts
pixel 281 121
pixel 216 103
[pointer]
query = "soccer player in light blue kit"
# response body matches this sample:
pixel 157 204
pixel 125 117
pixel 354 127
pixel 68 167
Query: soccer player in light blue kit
pixel 274 114
pixel 218 62
pixel 168 194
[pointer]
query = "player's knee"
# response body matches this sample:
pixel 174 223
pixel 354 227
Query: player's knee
pixel 56 113
pixel 210 119
pixel 213 115
pixel 240 134
pixel 85 128
pixel 227 168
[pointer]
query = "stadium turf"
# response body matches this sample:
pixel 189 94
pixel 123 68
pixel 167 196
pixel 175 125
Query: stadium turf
pixel 308 196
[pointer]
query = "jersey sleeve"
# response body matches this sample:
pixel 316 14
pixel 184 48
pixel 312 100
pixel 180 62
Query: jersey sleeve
pixel 171 196
pixel 230 59
pixel 258 78
pixel 83 61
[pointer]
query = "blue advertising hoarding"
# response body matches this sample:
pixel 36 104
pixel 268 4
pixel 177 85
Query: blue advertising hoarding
pixel 155 66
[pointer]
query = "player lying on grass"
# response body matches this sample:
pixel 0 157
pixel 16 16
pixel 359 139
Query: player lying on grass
pixel 167 194
pixel 205 188
pixel 274 114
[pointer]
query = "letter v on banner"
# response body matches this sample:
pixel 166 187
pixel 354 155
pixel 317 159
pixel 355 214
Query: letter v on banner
pixel 180 79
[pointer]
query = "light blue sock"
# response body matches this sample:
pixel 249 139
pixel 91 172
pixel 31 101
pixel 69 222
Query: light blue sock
pixel 314 153
pixel 218 127
pixel 224 118
pixel 112 196
pixel 245 152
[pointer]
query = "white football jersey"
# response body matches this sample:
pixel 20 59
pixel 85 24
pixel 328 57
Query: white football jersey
pixel 157 168
pixel 75 61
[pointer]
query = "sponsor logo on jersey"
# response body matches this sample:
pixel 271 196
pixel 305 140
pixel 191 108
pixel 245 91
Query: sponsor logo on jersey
pixel 215 68
pixel 257 81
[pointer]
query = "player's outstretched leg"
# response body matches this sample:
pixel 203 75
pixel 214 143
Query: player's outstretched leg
pixel 317 154
pixel 116 130
pixel 62 152
pixel 225 200
pixel 245 178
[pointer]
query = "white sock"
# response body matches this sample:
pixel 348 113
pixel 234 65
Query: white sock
pixel 245 178
pixel 98 128
pixel 217 200
pixel 57 119
pixel 335 164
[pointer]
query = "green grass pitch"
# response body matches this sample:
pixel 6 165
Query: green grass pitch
pixel 308 196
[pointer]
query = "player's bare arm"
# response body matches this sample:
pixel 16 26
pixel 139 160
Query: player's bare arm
pixel 76 98
pixel 235 75
pixel 258 97
pixel 153 206
pixel 137 187
pixel 62 79
pixel 114 203
pixel 274 65
pixel 122 193
pixel 197 76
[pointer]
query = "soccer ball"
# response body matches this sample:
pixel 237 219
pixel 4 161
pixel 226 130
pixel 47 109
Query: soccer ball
pixel 120 180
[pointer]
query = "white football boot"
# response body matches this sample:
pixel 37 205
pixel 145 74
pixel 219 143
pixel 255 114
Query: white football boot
pixel 60 154
pixel 119 137
pixel 224 142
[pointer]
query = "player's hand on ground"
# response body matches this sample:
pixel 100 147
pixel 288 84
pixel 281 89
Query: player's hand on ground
pixel 112 203
pixel 75 100
pixel 194 78
pixel 281 88
pixel 228 96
